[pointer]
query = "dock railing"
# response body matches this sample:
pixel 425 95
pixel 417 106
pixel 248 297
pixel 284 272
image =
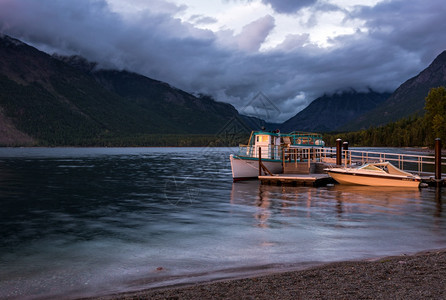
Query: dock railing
pixel 423 165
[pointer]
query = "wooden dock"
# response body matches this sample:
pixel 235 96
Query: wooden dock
pixel 306 166
pixel 296 179
pixel 317 180
pixel 314 174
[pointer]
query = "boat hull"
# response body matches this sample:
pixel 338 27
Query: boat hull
pixel 244 168
pixel 374 180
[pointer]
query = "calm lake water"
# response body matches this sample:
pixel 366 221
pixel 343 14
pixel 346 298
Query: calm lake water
pixel 92 221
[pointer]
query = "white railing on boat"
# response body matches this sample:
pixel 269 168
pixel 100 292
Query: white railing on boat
pixel 276 152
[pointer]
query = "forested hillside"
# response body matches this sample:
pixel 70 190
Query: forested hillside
pixel 47 100
pixel 407 132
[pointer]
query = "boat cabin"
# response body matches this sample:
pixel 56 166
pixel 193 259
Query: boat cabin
pixel 267 142
pixel 271 143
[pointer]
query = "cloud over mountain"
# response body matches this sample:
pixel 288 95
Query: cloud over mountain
pixel 385 44
pixel 288 6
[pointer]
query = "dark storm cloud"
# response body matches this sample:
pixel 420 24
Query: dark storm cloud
pixel 151 42
pixel 289 6
pixel 397 41
pixel 414 26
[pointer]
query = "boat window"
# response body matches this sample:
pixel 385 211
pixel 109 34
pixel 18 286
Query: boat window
pixel 262 138
pixel 371 167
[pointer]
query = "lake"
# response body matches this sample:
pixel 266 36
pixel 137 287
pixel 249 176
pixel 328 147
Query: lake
pixel 81 222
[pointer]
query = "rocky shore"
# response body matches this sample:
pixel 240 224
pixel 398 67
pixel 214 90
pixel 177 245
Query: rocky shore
pixel 418 276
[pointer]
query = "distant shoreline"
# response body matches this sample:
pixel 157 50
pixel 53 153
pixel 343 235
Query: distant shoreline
pixel 417 276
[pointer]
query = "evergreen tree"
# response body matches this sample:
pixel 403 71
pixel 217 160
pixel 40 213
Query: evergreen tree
pixel 435 116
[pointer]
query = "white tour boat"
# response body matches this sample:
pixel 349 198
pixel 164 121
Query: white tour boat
pixel 245 165
pixel 375 174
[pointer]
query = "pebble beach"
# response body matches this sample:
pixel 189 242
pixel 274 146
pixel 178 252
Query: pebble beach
pixel 416 276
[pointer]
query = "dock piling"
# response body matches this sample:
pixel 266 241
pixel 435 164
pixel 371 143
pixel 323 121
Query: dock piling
pixel 260 161
pixel 262 166
pixel 339 152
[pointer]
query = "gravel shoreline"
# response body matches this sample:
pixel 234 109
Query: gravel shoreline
pixel 418 276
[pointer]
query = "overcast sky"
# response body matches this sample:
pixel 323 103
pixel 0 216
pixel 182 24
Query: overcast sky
pixel 292 51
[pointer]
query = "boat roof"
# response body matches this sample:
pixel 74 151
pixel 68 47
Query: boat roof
pixel 293 135
pixel 389 168
pixel 277 133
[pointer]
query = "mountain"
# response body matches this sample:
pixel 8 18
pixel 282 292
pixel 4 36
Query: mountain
pixel 408 99
pixel 50 100
pixel 56 100
pixel 331 112
pixel 171 109
pixel 184 112
pixel 254 123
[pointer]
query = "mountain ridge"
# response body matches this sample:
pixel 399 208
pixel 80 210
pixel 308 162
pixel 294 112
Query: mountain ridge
pixel 331 112
pixel 408 99
pixel 58 103
pixel 67 100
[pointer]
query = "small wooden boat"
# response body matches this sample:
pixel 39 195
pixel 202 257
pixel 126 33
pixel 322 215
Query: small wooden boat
pixel 375 174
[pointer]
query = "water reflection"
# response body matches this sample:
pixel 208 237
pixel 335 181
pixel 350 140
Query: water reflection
pixel 344 202
pixel 111 217
pixel 367 199
pixel 438 201
pixel 263 202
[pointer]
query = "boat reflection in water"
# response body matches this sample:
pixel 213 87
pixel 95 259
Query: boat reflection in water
pixel 278 203
pixel 317 224
pixel 367 199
